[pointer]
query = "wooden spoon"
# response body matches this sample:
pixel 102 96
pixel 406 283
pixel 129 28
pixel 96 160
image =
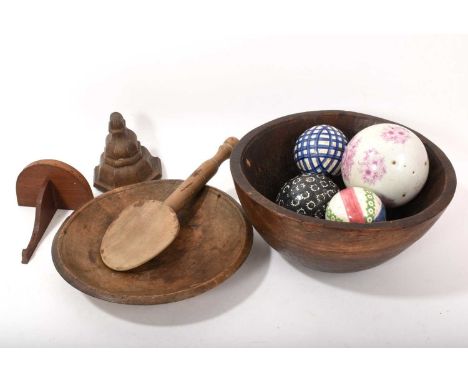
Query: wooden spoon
pixel 146 228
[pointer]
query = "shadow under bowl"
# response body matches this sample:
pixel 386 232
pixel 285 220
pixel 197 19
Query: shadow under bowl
pixel 262 162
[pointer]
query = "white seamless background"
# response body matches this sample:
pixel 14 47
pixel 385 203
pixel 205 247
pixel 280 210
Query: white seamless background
pixel 185 81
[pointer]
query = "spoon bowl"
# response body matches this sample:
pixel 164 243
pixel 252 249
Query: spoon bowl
pixel 146 228
pixel 155 217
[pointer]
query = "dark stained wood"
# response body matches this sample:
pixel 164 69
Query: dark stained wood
pixel 45 211
pixel 262 162
pixel 49 185
pixel 214 240
pixel 124 161
pixel 73 188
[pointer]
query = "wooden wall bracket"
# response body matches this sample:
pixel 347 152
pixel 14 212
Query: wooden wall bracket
pixel 49 185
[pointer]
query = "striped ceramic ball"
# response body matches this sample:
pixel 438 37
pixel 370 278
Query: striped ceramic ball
pixel 319 149
pixel 355 205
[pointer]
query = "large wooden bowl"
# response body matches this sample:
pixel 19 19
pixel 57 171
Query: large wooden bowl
pixel 263 161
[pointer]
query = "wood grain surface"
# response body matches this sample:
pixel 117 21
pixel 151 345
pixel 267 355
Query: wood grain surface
pixel 263 161
pixel 124 160
pixel 214 240
pixel 147 227
pixel 73 188
pixel 49 185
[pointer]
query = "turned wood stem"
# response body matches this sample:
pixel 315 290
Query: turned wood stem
pixel 200 176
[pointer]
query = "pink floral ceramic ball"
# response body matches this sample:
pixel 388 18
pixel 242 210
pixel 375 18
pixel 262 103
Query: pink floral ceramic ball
pixel 387 159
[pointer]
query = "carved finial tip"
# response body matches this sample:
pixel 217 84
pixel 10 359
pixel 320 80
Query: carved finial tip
pixel 116 123
pixel 116 115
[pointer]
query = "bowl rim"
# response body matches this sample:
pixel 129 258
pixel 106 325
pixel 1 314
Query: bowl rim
pixel 437 207
pixel 76 279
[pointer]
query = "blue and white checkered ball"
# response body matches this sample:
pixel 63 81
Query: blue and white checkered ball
pixel 320 149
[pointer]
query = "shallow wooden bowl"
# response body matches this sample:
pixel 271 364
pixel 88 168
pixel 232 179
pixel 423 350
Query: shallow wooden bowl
pixel 263 161
pixel 213 242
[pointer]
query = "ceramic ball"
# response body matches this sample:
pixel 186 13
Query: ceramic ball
pixel 355 205
pixel 320 149
pixel 387 159
pixel 307 194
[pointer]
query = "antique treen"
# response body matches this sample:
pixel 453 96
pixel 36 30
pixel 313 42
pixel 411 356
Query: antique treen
pixel 331 246
pixel 124 160
pixel 49 185
pixel 144 229
pixel 214 240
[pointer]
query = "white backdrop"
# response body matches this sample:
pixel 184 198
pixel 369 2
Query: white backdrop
pixel 184 82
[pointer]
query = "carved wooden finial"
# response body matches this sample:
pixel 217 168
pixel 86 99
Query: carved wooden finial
pixel 124 161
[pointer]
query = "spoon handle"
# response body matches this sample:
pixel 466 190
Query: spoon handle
pixel 200 176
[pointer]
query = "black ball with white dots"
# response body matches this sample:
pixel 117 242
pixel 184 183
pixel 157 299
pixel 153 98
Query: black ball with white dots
pixel 307 194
